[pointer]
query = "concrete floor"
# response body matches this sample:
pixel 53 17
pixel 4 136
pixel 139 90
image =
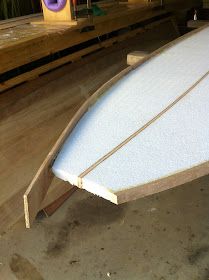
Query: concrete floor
pixel 164 236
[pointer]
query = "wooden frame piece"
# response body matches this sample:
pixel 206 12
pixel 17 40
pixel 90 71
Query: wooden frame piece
pixel 39 186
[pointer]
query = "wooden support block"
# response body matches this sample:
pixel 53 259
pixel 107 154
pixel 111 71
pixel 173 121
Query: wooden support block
pixel 135 57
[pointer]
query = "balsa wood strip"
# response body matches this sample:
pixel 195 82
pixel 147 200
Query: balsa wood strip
pixel 40 183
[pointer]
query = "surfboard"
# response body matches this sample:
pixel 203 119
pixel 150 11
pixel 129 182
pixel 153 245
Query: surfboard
pixel 152 124
pixel 143 132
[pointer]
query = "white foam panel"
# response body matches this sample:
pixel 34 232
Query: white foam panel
pixel 177 141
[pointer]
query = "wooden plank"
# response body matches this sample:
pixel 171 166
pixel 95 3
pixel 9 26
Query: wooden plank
pixel 12 209
pixel 41 182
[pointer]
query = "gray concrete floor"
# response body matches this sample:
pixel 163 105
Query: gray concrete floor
pixel 164 236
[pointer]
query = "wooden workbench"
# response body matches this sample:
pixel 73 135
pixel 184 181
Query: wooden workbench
pixel 25 43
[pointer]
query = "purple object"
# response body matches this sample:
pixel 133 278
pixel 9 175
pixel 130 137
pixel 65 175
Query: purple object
pixel 55 5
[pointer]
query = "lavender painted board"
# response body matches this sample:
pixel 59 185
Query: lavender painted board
pixel 55 5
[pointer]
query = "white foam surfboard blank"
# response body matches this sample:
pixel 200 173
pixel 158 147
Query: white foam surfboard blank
pixel 127 106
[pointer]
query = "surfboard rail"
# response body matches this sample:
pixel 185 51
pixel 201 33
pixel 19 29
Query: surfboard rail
pixel 39 186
